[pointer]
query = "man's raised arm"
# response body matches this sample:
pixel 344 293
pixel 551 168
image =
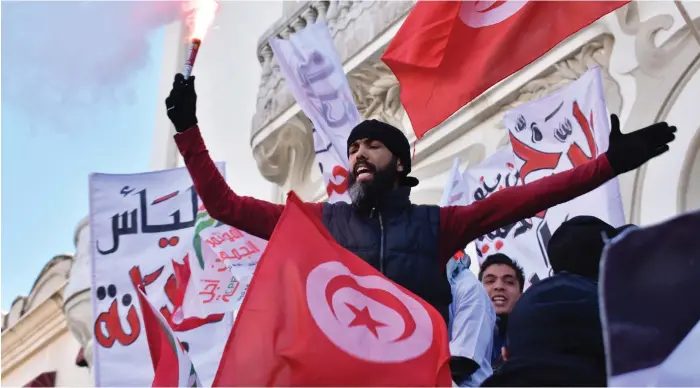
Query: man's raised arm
pixel 249 214
pixel 460 225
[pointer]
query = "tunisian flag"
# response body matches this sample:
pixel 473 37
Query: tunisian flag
pixel 449 52
pixel 317 315
pixel 171 364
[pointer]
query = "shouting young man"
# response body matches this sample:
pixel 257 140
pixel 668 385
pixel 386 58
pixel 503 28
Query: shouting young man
pixel 410 244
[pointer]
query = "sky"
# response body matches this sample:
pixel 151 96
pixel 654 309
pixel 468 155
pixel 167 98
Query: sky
pixel 70 107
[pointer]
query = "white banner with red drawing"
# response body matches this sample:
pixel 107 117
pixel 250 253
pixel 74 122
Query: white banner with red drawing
pixel 456 193
pixel 553 134
pixel 314 75
pixel 518 240
pixel 147 229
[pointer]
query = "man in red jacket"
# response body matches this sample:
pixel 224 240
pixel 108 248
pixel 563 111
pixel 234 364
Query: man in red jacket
pixel 410 244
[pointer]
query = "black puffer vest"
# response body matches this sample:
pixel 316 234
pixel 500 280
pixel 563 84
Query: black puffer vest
pixel 398 239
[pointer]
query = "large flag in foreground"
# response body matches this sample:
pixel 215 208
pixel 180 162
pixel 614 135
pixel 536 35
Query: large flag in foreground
pixel 449 52
pixel 140 224
pixel 314 74
pixel 171 364
pixel 317 315
pixel 650 310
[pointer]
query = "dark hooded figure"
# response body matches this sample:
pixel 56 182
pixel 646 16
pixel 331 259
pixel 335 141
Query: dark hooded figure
pixel 577 245
pixel 555 337
pixel 410 244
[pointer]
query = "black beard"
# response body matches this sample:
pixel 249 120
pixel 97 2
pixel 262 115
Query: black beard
pixel 367 194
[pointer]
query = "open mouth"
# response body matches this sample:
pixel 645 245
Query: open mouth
pixel 499 300
pixel 363 171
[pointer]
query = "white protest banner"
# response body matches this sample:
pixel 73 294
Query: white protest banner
pixel 561 131
pixel 649 305
pixel 314 74
pixel 219 277
pixel 140 224
pixel 455 194
pixel 518 240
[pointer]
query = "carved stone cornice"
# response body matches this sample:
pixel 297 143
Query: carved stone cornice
pixel 353 25
pixel 287 157
pixel 661 72
pixel 376 90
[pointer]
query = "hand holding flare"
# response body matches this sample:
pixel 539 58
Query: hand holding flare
pixel 201 18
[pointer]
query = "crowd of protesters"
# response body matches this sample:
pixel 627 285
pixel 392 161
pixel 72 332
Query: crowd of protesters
pixel 549 335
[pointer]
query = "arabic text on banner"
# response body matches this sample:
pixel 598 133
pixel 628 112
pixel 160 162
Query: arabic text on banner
pixel 517 240
pixel 218 277
pixel 139 225
pixel 553 134
pixel 314 74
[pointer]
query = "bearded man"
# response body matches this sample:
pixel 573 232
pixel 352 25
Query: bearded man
pixel 409 244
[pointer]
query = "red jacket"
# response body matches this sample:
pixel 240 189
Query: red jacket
pixel 459 225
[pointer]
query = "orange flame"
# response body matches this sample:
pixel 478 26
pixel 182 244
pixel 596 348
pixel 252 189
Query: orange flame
pixel 201 16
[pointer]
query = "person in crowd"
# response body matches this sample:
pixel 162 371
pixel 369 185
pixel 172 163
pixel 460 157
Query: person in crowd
pixel 503 280
pixel 555 338
pixel 472 321
pixel 409 244
pixel 577 245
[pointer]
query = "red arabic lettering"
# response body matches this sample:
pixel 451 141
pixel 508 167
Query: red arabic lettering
pixel 232 234
pixel 213 286
pixel 110 323
pixel 248 249
pixel 210 289
pixel 339 188
pixel 175 295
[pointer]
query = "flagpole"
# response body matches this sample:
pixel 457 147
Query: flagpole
pixel 688 20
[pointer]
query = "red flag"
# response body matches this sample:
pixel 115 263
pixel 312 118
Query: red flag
pixel 317 315
pixel 171 364
pixel 449 52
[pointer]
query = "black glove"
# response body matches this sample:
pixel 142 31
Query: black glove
pixel 462 368
pixel 182 103
pixel 631 150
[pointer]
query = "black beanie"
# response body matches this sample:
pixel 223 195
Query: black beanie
pixel 577 244
pixel 393 139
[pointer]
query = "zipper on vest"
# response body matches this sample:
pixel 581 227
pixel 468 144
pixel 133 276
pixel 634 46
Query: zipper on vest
pixel 381 244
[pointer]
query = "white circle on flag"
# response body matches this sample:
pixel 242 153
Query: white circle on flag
pixel 478 14
pixel 362 326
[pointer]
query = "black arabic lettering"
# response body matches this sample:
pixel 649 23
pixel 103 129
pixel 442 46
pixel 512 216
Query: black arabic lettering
pixel 514 181
pixel 564 130
pixel 175 225
pixel 502 233
pixel 128 226
pixel 317 68
pixel 327 101
pixel 524 226
pixel 482 193
pixel 126 190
